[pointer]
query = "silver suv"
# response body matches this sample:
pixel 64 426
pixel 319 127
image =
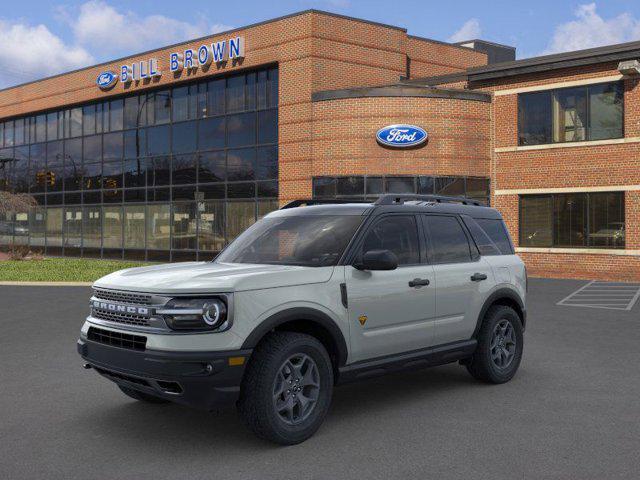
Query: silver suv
pixel 313 295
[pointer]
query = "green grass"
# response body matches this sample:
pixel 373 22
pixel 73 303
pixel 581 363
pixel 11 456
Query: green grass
pixel 60 269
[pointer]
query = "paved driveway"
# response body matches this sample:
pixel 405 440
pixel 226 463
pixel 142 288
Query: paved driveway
pixel 572 412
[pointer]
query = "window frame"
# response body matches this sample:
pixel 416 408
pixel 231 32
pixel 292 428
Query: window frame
pixel 552 92
pixel 474 253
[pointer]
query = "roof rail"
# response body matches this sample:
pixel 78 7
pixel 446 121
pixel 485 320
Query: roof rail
pixel 309 202
pixel 390 199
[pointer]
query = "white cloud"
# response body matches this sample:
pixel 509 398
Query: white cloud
pixel 469 31
pixel 29 52
pixel 591 30
pixel 107 31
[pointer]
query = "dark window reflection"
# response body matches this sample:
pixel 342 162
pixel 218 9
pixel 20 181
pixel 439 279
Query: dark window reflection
pixel 241 164
pixel 268 126
pixel 184 137
pixel 211 134
pixel 184 169
pixel 211 167
pixel 158 140
pixel 267 163
pixel 241 129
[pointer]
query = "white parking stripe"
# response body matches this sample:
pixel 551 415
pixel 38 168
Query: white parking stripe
pixel 596 294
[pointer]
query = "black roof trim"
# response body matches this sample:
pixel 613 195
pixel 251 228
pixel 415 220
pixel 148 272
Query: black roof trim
pixel 226 32
pixel 496 44
pixel 400 90
pixel 556 61
pixel 436 79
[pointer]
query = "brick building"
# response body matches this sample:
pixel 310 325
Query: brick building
pixel 169 154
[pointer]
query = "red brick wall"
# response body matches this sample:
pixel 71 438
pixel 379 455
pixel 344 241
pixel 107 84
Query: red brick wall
pixel 429 58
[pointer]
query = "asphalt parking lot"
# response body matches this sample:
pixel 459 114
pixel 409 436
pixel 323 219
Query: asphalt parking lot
pixel 572 412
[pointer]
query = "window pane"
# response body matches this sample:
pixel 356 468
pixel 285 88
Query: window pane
pixel 477 187
pixel 134 173
pixel 250 92
pixel 215 97
pixel 55 173
pixel 158 225
pixel 54 227
pixel 268 126
pixel 184 169
pixel 37 168
pixel 184 226
pixel 350 186
pixel 426 185
pixel 606 111
pixel 112 175
pixel 240 216
pixel 92 149
pixel 241 129
pixel 21 228
pixel 158 171
pixel 570 115
pixel 267 166
pixel 116 118
pixel 19 132
pixel 324 187
pixel 400 185
pixel 92 227
pixel 37 226
pixel 112 146
pixel 135 143
pixel 534 118
pixel 606 220
pixel 52 126
pixel 41 128
pixel 21 169
pixel 180 104
pixel 268 189
pixel 211 133
pixel 131 112
pixel 134 225
pixel 184 137
pixel 235 93
pixel 211 167
pixel 451 186
pixel 448 241
pixel 261 89
pixel 241 190
pixel 73 227
pixel 211 226
pixel 89 115
pixel 162 106
pixel 92 176
pixel 75 122
pixel 374 186
pixel 570 220
pixel 112 227
pixel 241 164
pixel 497 232
pixel 398 234
pixel 536 221
pixel 158 140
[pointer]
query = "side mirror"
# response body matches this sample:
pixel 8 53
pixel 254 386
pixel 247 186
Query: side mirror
pixel 378 260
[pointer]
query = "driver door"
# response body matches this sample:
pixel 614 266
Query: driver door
pixel 387 315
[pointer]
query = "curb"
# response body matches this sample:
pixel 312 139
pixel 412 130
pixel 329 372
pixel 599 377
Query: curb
pixel 48 284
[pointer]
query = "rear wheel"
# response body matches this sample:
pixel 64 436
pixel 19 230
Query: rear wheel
pixel 500 346
pixel 287 388
pixel 141 396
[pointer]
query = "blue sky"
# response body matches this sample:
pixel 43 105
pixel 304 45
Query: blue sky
pixel 43 37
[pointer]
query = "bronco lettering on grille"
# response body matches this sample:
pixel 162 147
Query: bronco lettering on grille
pixel 114 307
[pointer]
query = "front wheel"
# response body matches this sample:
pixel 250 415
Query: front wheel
pixel 500 346
pixel 287 388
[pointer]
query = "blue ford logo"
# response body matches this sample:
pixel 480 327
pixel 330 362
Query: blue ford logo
pixel 401 136
pixel 106 80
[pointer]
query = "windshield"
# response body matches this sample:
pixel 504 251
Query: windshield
pixel 306 240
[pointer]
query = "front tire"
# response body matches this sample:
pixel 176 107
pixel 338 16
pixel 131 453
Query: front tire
pixel 500 346
pixel 287 388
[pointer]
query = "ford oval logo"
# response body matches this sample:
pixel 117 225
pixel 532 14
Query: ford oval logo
pixel 106 80
pixel 401 136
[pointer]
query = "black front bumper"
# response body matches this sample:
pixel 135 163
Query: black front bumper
pixel 203 380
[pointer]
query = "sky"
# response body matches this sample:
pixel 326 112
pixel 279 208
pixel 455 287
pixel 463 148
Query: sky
pixel 39 38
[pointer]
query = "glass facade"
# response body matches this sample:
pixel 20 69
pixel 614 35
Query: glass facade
pixel 372 186
pixel 160 175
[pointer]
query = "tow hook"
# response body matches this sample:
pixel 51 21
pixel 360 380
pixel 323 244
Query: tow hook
pixel 86 366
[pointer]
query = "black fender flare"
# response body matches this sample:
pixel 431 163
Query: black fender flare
pixel 295 314
pixel 501 293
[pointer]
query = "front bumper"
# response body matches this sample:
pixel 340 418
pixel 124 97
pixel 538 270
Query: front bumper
pixel 204 380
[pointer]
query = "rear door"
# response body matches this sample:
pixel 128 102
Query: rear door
pixel 463 278
pixel 389 312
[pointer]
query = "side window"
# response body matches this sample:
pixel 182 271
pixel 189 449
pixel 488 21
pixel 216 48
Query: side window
pixel 398 234
pixel 486 246
pixel 449 243
pixel 497 232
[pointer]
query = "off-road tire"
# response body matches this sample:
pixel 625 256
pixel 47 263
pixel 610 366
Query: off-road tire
pixel 141 396
pixel 481 365
pixel 257 406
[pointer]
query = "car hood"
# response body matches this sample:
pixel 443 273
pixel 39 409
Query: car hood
pixel 208 277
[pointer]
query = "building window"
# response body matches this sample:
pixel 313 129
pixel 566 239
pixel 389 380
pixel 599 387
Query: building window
pixel 370 187
pixel 577 114
pixel 573 220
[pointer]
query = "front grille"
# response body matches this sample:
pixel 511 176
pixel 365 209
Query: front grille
pixel 126 318
pixel 122 297
pixel 117 339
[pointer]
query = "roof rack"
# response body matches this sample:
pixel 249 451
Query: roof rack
pixel 390 199
pixel 309 202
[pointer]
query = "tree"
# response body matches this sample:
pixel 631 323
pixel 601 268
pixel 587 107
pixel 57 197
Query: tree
pixel 15 202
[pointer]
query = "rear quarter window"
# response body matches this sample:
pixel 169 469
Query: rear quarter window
pixel 497 232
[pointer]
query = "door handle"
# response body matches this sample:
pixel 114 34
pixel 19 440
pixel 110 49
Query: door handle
pixel 419 282
pixel 478 277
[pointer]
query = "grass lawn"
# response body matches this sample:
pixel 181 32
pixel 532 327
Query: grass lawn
pixel 60 269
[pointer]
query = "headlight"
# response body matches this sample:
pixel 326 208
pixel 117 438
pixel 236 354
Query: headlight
pixel 195 314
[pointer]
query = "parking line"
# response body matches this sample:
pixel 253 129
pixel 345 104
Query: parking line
pixel 612 296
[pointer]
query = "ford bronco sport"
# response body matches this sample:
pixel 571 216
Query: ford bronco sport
pixel 313 295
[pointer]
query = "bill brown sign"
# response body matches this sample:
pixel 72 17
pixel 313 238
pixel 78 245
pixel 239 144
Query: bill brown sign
pixel 189 59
